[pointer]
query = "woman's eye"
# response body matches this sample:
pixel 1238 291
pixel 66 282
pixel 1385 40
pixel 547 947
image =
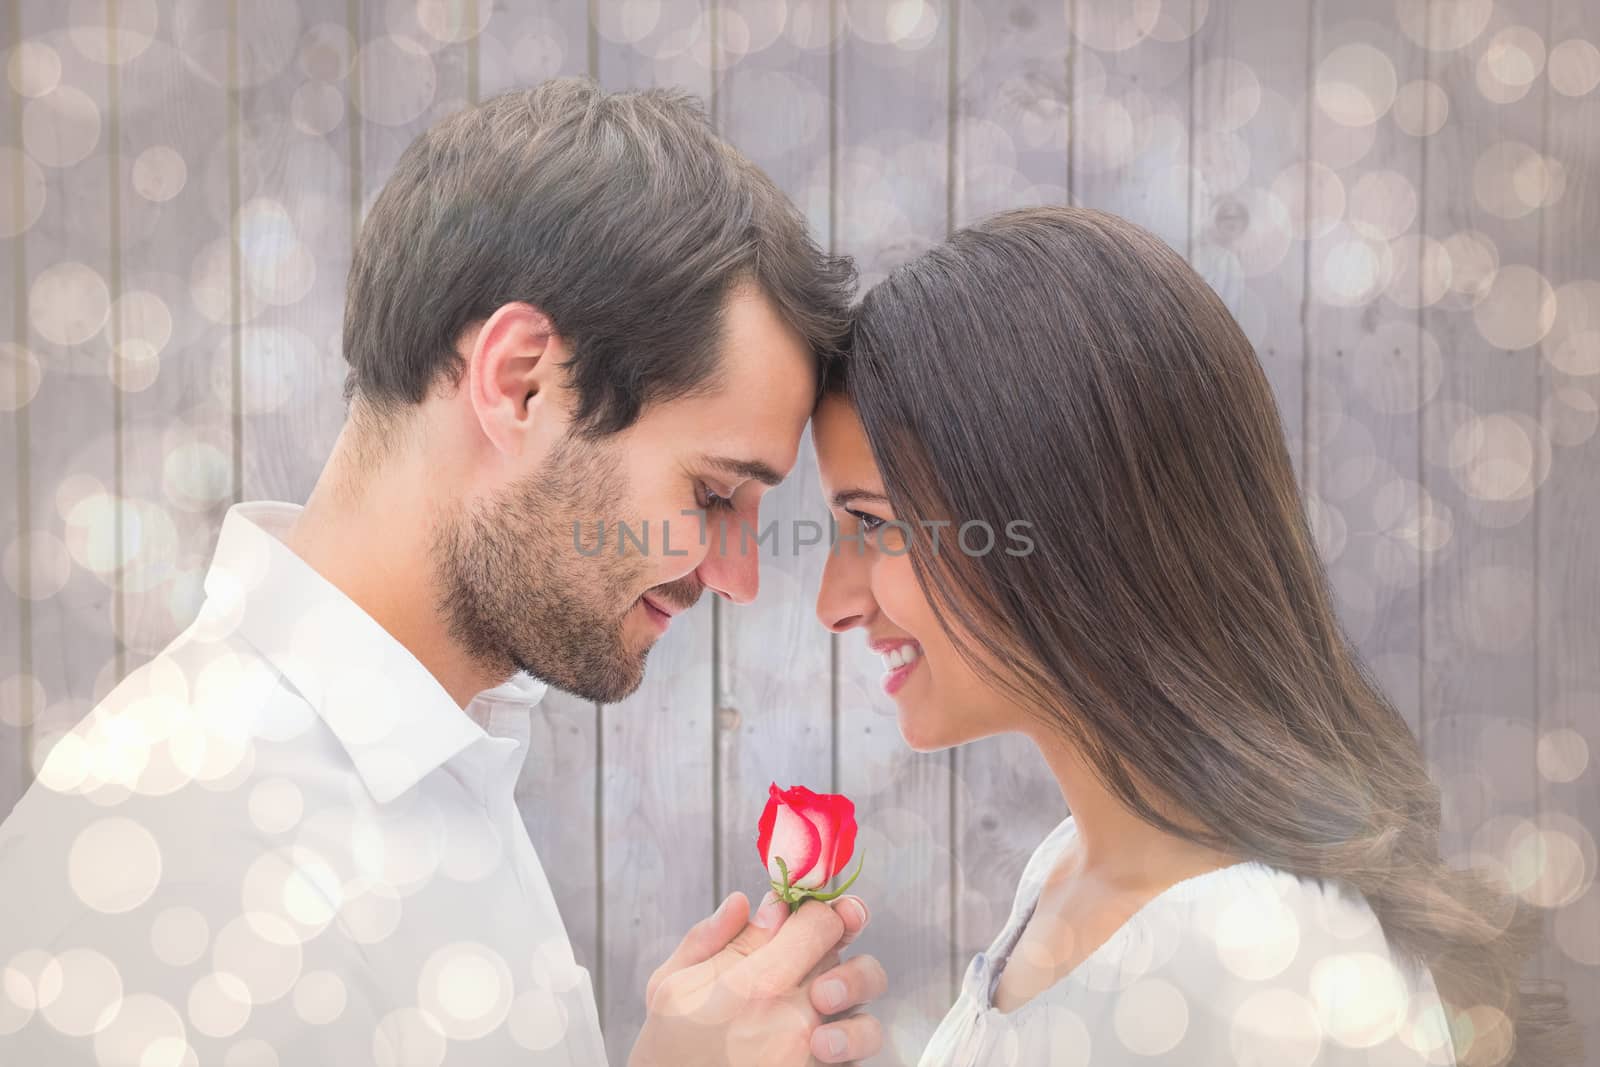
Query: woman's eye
pixel 712 502
pixel 868 522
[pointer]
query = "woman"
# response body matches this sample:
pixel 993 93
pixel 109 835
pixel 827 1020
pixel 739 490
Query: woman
pixel 1251 873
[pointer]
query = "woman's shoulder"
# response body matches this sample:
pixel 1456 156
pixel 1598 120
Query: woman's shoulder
pixel 1255 921
pixel 1248 903
pixel 1260 957
pixel 1275 913
pixel 1271 955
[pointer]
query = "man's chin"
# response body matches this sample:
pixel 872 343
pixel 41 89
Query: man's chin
pixel 617 694
pixel 616 687
pixel 609 670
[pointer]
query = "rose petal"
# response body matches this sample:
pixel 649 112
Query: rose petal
pixel 833 816
pixel 795 839
pixel 769 817
pixel 844 846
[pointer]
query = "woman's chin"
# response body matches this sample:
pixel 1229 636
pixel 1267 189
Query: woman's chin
pixel 919 733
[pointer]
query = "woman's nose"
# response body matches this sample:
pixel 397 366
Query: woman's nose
pixel 845 599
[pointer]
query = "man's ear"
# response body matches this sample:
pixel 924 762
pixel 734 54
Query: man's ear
pixel 511 372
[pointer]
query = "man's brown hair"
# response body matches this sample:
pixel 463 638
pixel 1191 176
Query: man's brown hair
pixel 622 216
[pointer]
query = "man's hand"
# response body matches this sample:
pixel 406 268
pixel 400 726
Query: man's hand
pixel 770 992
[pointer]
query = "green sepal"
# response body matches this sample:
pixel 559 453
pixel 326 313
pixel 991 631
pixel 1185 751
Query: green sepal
pixel 835 894
pixel 794 896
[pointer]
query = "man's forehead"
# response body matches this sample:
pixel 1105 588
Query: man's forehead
pixel 756 343
pixel 764 394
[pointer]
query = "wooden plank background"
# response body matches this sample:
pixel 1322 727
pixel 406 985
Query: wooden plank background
pixel 1397 198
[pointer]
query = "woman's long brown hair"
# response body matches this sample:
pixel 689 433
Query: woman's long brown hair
pixel 1064 367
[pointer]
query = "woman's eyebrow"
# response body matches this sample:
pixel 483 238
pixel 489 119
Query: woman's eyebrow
pixel 850 496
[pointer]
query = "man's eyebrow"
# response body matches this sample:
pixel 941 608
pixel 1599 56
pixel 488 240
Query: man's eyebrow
pixel 745 468
pixel 850 496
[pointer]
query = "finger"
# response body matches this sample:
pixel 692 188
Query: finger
pixel 857 981
pixel 705 939
pixel 824 965
pixel 803 939
pixel 853 912
pixel 762 926
pixel 855 1037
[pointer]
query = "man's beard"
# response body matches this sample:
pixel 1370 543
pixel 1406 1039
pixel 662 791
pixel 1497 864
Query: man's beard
pixel 519 595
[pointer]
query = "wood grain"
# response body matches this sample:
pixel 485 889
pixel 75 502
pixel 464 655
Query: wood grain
pixel 1131 115
pixel 72 447
pixel 1370 365
pixel 298 137
pixel 1249 121
pixel 1480 599
pixel 179 280
pixel 1568 638
pixel 18 375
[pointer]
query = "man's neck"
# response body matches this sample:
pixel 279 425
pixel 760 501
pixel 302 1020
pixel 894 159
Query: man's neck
pixel 369 533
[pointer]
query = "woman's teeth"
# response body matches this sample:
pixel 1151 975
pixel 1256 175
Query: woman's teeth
pixel 901 656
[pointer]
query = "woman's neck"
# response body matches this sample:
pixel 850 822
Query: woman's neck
pixel 1116 848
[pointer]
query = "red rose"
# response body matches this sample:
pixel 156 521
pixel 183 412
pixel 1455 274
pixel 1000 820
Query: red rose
pixel 804 839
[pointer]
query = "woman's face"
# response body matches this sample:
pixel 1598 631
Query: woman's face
pixel 869 584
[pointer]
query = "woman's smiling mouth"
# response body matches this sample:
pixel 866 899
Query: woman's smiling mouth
pixel 900 658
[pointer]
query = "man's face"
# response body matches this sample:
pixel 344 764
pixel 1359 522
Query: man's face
pixel 581 610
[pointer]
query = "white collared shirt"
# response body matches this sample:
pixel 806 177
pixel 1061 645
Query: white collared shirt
pixel 282 842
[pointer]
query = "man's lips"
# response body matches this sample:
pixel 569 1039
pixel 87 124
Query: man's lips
pixel 660 611
pixel 658 617
pixel 664 608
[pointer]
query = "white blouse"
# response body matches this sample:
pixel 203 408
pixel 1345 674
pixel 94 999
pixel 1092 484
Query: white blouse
pixel 1247 965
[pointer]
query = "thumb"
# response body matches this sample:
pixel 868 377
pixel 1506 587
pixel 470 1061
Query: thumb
pixel 763 927
pixel 705 939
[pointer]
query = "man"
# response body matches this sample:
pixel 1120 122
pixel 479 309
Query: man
pixel 290 838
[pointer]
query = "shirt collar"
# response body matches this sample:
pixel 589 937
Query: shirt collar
pixel 394 719
pixel 520 688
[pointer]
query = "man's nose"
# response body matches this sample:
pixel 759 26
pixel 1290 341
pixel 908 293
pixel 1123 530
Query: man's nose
pixel 732 564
